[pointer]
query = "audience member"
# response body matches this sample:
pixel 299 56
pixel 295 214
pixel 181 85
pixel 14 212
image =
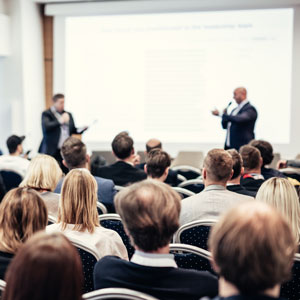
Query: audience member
pixel 266 152
pixel 14 161
pixel 281 194
pixel 78 216
pixel 234 184
pixel 157 164
pixel 123 172
pixel 22 213
pixel 253 249
pixel 252 179
pixel 156 144
pixel 294 163
pixel 75 156
pixel 43 175
pixel 215 198
pixel 150 214
pixel 48 267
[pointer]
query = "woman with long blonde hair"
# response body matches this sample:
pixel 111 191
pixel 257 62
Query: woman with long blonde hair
pixel 281 194
pixel 78 216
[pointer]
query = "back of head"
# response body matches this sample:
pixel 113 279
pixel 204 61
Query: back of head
pixel 13 142
pixel 22 213
pixel 47 267
pixel 57 96
pixel 78 203
pixel 122 146
pixel 157 163
pixel 281 194
pixel 43 173
pixel 251 157
pixel 253 247
pixel 265 149
pixel 150 212
pixel 218 165
pixel 73 152
pixel 153 144
pixel 237 163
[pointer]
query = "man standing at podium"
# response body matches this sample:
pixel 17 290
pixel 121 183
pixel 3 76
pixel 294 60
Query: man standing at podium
pixel 240 122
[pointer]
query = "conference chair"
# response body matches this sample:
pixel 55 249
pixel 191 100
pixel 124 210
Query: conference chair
pixel 119 187
pixel 194 233
pixel 101 208
pixel 191 257
pixel 89 256
pixel 189 158
pixel 51 219
pixel 180 178
pixel 291 289
pixel 2 286
pixel 189 172
pixel 193 185
pixel 117 293
pixel 114 222
pixel 11 179
pixel 184 193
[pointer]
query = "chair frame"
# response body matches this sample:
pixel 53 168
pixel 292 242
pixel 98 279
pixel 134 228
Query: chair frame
pixel 2 285
pixel 190 182
pixel 117 293
pixel 183 191
pixel 102 207
pixel 181 178
pixel 119 187
pixel 186 168
pixel 52 219
pixel 115 217
pixel 191 249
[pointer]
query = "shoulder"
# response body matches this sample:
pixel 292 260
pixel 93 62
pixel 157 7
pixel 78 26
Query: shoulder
pixel 108 233
pixel 53 228
pixel 238 196
pixel 103 181
pixel 47 112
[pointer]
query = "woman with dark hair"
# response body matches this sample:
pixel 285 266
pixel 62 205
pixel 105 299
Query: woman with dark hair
pixel 48 267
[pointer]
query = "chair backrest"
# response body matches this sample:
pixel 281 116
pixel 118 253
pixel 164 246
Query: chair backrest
pixel 189 158
pixel 107 155
pixel 193 185
pixel 101 208
pixel 11 179
pixel 291 289
pixel 51 219
pixel 114 222
pixel 194 233
pixel 117 293
pixel 183 192
pixel 89 256
pixel 191 257
pixel 119 187
pixel 2 286
pixel 188 172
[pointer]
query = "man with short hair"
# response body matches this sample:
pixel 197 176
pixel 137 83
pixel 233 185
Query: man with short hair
pixel 252 178
pixel 157 164
pixel 75 156
pixel 14 161
pixel 150 213
pixel 215 198
pixel 249 255
pixel 234 184
pixel 122 172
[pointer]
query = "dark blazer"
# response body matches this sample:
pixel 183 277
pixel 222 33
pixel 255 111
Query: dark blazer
pixel 251 184
pixel 121 173
pixel 242 126
pixel 51 132
pixel 269 173
pixel 244 297
pixel 165 283
pixel 106 192
pixel 237 188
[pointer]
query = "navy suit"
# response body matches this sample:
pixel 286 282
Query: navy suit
pixel 242 126
pixel 106 192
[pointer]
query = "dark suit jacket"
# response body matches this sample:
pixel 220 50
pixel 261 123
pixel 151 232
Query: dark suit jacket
pixel 269 173
pixel 51 132
pixel 121 173
pixel 242 126
pixel 251 184
pixel 237 188
pixel 244 297
pixel 165 283
pixel 106 192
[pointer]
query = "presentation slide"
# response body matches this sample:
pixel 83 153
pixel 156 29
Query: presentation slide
pixel 161 75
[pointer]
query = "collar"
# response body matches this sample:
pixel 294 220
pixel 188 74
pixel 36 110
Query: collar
pixel 243 103
pixel 253 175
pixel 214 187
pixel 153 260
pixel 125 162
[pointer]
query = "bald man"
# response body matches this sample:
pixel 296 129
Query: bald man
pixel 240 122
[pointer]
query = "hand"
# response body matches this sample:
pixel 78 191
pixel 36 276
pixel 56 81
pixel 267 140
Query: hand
pixel 136 160
pixel 225 111
pixel 281 164
pixel 65 118
pixel 215 112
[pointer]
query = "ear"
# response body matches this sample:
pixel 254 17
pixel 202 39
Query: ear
pixel 65 164
pixel 214 265
pixel 231 174
pixel 132 151
pixel 260 162
pixel 145 169
pixel 88 159
pixel 167 171
pixel 242 171
pixel 204 173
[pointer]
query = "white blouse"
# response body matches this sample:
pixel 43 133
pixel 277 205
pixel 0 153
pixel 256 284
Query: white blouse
pixel 106 241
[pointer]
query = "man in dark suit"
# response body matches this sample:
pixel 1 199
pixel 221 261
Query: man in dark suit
pixel 150 214
pixel 123 172
pixel 240 123
pixel 74 156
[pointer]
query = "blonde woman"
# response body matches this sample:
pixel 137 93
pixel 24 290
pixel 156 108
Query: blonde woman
pixel 43 175
pixel 22 213
pixel 281 194
pixel 78 216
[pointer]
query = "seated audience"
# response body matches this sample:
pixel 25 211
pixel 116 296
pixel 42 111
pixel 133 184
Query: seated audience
pixel 74 156
pixel 281 194
pixel 252 179
pixel 22 213
pixel 157 164
pixel 156 144
pixel 234 184
pixel 14 162
pixel 43 175
pixel 252 249
pixel 48 267
pixel 266 152
pixel 150 214
pixel 78 216
pixel 215 198
pixel 123 172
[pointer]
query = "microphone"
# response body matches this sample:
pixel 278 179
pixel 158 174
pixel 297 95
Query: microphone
pixel 228 105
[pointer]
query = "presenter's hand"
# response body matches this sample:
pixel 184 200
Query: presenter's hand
pixel 281 164
pixel 136 159
pixel 65 117
pixel 215 112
